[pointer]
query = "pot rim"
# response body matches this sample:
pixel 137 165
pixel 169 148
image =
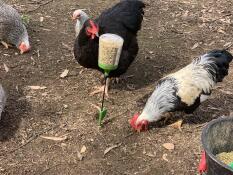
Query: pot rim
pixel 204 132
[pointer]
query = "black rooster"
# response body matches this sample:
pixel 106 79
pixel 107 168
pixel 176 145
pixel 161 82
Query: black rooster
pixel 123 19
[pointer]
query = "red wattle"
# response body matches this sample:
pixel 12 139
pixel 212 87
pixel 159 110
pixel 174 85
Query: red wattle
pixel 133 121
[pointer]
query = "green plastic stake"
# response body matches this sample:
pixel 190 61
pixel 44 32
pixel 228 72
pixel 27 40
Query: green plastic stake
pixel 102 115
pixel 103 111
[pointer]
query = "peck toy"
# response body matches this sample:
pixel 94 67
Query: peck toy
pixel 110 47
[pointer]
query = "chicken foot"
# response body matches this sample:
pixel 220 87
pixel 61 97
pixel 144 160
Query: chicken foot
pixel 6 45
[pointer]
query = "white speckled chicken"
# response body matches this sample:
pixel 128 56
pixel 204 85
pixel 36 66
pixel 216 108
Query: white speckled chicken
pixel 3 98
pixel 185 89
pixel 12 29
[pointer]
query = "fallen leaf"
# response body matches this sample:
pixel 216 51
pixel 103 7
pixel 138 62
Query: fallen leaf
pixel 231 114
pixel 213 42
pixel 48 30
pixel 110 148
pixel 150 155
pixel 169 146
pixel 151 52
pixel 177 125
pixel 81 71
pixel 185 14
pixel 83 149
pixel 226 92
pixel 67 46
pixel 213 108
pixel 227 44
pixel 130 87
pixel 80 156
pixel 164 157
pixel 54 138
pixel 41 19
pixel 63 144
pixel 5 67
pixel 221 31
pixel 195 46
pixel 144 151
pixel 64 73
pixel 37 87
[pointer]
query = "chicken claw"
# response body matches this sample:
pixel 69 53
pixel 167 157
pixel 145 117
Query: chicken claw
pixel 5 44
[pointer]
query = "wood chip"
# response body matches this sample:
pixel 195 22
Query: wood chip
pixel 110 148
pixel 195 46
pixel 169 146
pixel 226 92
pixel 80 156
pixel 221 31
pixel 185 14
pixel 150 154
pixel 83 149
pixel 67 46
pixel 37 87
pixel 47 30
pixel 227 44
pixel 177 125
pixel 151 52
pixel 54 138
pixel 210 44
pixel 41 19
pixel 164 157
pixel 64 73
pixel 5 67
pixel 231 114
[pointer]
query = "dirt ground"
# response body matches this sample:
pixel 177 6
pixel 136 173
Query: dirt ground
pixel 173 33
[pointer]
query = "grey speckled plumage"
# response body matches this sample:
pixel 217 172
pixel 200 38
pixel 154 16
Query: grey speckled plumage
pixel 3 98
pixel 12 29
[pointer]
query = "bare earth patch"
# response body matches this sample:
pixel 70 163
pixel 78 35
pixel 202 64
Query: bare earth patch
pixel 51 129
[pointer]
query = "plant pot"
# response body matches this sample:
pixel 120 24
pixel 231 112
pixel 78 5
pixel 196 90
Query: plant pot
pixel 217 137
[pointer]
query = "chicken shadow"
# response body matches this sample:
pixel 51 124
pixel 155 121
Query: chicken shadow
pixel 16 108
pixel 146 71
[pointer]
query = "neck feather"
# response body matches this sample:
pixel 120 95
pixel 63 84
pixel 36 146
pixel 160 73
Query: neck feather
pixel 79 23
pixel 162 100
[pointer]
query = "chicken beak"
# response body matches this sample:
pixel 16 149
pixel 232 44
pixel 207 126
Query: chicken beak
pixel 97 34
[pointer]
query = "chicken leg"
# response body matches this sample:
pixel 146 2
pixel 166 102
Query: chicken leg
pixel 101 89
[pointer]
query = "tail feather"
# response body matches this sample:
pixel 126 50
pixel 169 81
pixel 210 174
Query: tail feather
pixel 217 62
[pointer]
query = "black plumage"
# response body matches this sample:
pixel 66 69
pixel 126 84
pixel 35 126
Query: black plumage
pixel 123 19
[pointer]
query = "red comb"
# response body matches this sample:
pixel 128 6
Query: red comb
pixel 202 165
pixel 133 121
pixel 93 29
